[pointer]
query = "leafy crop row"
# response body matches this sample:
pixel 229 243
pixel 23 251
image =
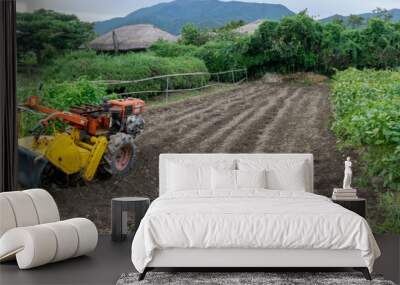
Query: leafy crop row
pixel 367 119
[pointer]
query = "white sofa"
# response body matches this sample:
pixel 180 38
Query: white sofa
pixel 31 231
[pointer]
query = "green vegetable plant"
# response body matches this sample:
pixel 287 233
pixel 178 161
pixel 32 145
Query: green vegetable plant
pixel 366 106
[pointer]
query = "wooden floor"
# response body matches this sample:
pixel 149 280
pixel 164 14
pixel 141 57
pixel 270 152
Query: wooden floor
pixel 110 260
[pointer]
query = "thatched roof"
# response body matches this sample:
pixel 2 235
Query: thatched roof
pixel 132 37
pixel 250 28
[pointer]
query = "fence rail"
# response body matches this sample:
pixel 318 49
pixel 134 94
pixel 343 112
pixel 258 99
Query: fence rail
pixel 167 90
pixel 166 76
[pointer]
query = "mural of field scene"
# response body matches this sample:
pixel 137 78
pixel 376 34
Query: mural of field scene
pixel 328 87
pixel 289 117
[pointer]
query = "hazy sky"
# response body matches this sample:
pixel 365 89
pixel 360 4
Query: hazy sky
pixel 92 10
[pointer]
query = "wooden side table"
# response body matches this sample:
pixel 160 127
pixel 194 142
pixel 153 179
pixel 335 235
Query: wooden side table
pixel 119 215
pixel 358 205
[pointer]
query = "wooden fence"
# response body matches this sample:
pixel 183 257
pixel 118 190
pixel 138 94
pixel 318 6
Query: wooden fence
pixel 216 80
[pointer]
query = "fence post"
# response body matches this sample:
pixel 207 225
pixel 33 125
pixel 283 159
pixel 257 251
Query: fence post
pixel 247 78
pixel 233 77
pixel 166 90
pixel 218 77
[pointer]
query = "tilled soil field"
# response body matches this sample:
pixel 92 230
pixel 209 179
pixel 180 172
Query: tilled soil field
pixel 253 117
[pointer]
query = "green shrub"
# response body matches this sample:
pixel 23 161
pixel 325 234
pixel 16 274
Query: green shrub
pixel 389 206
pixel 219 55
pixel 293 44
pixel 367 119
pixel 380 44
pixel 300 43
pixel 61 96
pixel 170 49
pixel 192 35
pixel 130 66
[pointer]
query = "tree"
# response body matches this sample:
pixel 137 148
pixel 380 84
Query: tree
pixel 382 14
pixel 47 33
pixel 381 44
pixel 355 21
pixel 191 35
pixel 231 25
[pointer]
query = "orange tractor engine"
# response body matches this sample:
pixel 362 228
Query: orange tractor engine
pixel 125 115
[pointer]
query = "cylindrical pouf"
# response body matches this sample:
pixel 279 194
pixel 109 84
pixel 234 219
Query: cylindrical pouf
pixel 41 244
pixel 33 246
pixel 23 208
pixel 46 207
pixel 87 235
pixel 7 218
pixel 67 240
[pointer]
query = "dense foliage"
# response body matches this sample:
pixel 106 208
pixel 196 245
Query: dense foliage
pixel 300 43
pixel 63 95
pixel 296 43
pixel 219 55
pixel 60 96
pixel 192 35
pixel 128 66
pixel 367 119
pixel 43 34
pixel 172 49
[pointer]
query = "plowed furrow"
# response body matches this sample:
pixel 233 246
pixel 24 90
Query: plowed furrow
pixel 193 134
pixel 180 114
pixel 187 124
pixel 175 111
pixel 303 127
pixel 216 139
pixel 275 130
pixel 247 138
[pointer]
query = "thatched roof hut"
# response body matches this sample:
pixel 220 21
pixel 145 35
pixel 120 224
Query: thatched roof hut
pixel 130 38
pixel 250 28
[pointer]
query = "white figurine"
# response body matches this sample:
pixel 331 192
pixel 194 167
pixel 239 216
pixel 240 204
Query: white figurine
pixel 348 173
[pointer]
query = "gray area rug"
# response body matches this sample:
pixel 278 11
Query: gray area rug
pixel 243 278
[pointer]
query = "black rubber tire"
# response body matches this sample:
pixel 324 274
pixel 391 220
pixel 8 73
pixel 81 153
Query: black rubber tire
pixel 116 144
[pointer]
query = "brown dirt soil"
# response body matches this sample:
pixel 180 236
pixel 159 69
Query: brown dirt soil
pixel 254 117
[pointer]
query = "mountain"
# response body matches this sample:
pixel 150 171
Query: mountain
pixel 172 16
pixel 394 12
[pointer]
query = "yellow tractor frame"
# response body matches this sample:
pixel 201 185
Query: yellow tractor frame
pixel 68 153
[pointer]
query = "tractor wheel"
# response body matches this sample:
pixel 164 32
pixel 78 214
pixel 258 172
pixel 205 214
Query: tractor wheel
pixel 120 155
